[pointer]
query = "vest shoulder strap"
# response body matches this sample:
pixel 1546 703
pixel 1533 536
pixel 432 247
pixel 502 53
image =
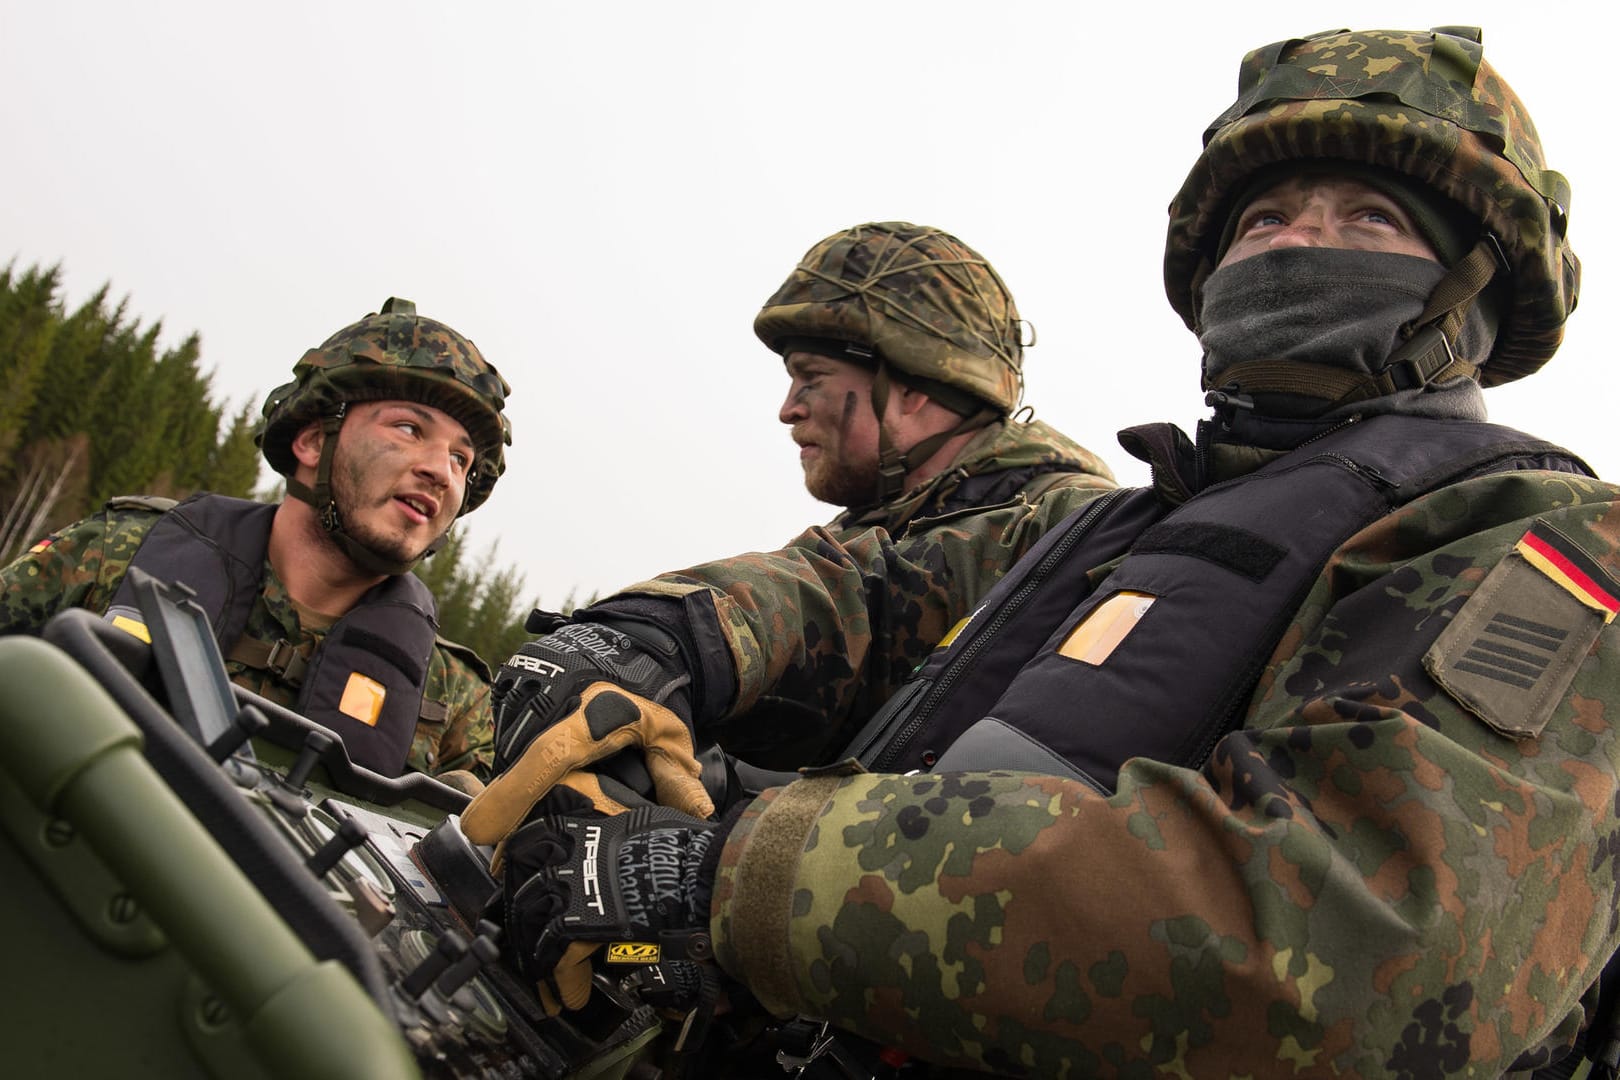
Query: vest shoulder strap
pixel 157 503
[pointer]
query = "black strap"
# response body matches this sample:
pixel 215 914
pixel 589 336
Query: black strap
pixel 893 463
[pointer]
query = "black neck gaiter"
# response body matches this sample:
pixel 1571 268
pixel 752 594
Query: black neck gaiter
pixel 1337 308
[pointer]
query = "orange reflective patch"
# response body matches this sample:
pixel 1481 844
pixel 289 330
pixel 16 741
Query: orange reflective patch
pixel 1100 632
pixel 363 699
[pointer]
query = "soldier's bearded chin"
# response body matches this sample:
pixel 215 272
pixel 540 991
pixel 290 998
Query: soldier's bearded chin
pixel 346 482
pixel 834 479
pixel 840 483
pixel 395 549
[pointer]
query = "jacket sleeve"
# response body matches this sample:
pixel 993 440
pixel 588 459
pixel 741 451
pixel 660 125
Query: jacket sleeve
pixel 1369 878
pixel 829 623
pixel 465 737
pixel 67 569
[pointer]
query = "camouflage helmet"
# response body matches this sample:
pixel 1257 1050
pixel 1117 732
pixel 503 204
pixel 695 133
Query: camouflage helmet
pixel 930 306
pixel 395 355
pixel 1426 105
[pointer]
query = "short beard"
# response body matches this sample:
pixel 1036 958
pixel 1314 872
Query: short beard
pixel 346 480
pixel 841 482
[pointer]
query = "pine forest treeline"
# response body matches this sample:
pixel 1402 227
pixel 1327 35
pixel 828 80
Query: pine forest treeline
pixel 93 406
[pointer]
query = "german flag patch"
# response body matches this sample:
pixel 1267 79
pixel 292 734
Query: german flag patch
pixel 1511 652
pixel 1556 555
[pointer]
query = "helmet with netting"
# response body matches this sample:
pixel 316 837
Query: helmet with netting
pixel 395 355
pixel 1424 104
pixel 929 305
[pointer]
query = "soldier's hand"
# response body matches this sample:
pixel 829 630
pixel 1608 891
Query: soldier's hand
pixel 641 880
pixel 604 721
pixel 542 682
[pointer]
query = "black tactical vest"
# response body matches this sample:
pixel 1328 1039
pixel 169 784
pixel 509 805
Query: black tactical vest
pixel 1203 591
pixel 216 546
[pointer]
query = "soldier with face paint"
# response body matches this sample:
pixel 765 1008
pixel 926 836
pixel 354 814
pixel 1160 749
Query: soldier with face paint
pixel 904 353
pixel 1302 761
pixel 390 430
pixel 905 358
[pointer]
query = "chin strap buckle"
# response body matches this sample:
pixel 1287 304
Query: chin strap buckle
pixel 1424 356
pixel 1228 400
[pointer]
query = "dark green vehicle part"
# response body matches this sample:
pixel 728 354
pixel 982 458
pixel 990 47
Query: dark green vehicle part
pixel 169 867
pixel 128 918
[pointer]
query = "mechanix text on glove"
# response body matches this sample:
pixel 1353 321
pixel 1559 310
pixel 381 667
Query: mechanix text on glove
pixel 638 881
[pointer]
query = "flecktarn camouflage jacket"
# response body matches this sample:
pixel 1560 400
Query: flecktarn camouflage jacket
pixel 1372 876
pixel 1008 459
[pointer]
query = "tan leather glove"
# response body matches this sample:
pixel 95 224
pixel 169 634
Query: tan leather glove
pixel 607 720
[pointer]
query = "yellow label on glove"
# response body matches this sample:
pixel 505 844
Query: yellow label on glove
pixel 633 952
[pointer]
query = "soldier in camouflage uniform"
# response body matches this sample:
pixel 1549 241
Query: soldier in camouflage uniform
pixel 389 431
pixel 905 353
pixel 1314 801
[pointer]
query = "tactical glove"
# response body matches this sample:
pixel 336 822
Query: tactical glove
pixel 576 696
pixel 605 721
pixel 640 881
pixel 542 682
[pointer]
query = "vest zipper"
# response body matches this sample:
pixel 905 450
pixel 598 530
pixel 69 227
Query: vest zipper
pixel 947 678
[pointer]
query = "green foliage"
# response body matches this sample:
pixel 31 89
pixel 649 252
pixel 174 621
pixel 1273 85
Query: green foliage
pixel 233 461
pixel 27 331
pixel 94 408
pixel 480 606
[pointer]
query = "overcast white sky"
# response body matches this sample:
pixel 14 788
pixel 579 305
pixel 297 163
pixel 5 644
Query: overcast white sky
pixel 602 194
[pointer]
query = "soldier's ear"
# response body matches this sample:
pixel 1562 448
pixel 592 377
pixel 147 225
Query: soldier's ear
pixel 908 400
pixel 306 445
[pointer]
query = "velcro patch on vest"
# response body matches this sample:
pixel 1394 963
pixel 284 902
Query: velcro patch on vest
pixel 1097 635
pixel 363 698
pixel 1513 649
pixel 1238 550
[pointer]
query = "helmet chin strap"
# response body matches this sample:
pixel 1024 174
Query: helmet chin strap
pixel 895 464
pixel 1426 356
pixel 326 509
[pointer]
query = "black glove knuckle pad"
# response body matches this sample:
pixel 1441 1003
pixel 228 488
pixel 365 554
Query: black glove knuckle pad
pixel 541 683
